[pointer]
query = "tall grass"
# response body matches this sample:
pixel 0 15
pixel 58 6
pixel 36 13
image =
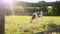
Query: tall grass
pixel 22 25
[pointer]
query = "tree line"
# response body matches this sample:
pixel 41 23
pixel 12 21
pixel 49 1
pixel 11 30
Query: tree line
pixel 47 10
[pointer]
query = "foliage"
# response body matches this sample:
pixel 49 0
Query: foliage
pixel 53 11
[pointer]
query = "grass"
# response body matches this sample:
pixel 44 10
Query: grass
pixel 22 25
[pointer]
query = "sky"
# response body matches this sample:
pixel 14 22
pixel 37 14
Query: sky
pixel 34 1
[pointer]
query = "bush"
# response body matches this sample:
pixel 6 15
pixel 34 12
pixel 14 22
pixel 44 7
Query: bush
pixel 52 25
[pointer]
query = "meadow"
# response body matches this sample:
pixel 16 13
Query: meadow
pixel 22 25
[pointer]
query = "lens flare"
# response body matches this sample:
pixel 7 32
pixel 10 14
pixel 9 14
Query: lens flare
pixel 7 1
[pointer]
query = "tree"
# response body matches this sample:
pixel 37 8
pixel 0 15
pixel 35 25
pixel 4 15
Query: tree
pixel 44 9
pixel 56 10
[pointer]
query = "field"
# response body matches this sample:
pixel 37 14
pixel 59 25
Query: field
pixel 22 25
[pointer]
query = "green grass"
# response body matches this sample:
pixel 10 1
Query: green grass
pixel 17 24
